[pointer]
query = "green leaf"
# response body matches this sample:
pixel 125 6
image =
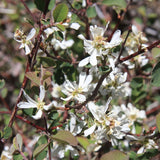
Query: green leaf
pixel 60 12
pixel 47 62
pixel 39 149
pixel 53 115
pixel 84 142
pixel 42 140
pixel 155 75
pixel 114 155
pixel 17 142
pixel 33 77
pixel 2 83
pixel 40 4
pixel 155 52
pixel 4 92
pixel 91 12
pixel 158 121
pixel 7 132
pixel 61 27
pixel 17 157
pixel 137 82
pixel 51 4
pixel 65 137
pixel 118 3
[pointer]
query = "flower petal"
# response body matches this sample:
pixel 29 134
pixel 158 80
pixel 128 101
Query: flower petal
pixel 42 93
pixel 31 34
pixel 30 100
pixel 84 62
pixel 90 130
pixel 38 114
pixel 26 105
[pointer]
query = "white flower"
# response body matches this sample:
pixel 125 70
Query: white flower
pixel 74 91
pixel 98 46
pixel 25 41
pixel 133 113
pixel 108 126
pixel 56 91
pixel 150 144
pixel 114 84
pixel 40 105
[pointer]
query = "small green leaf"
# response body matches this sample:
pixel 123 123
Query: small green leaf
pixel 155 52
pixel 7 132
pixel 17 142
pixel 17 157
pixel 40 4
pixel 53 115
pixel 65 137
pixel 47 62
pixel 137 82
pixel 39 149
pixel 155 75
pixel 2 83
pixel 158 121
pixel 114 155
pixel 91 12
pixel 4 92
pixel 41 155
pixel 118 3
pixel 61 27
pixel 60 12
pixel 33 77
pixel 51 4
pixel 84 142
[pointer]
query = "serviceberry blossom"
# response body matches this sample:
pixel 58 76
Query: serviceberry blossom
pixel 135 39
pixel 40 105
pixel 77 92
pixel 133 114
pixel 114 84
pixel 149 144
pixel 25 41
pixel 107 126
pixel 98 46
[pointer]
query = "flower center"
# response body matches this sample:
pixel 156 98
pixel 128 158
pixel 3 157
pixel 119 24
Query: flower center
pixel 77 91
pixel 40 105
pixel 98 42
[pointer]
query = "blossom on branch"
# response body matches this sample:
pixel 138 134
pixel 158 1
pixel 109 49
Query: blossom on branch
pixel 40 105
pixel 25 41
pixel 98 47
pixel 77 92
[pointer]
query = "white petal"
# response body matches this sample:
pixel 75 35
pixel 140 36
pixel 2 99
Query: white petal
pixel 80 98
pixel 42 93
pixel 72 123
pixel 84 62
pixel 134 29
pixel 88 80
pixel 26 105
pixel 75 26
pixel 141 150
pixel 82 78
pixel 38 114
pixel 67 99
pixel 90 130
pixel 47 107
pixel 93 59
pixel 116 36
pixel 30 100
pixel 80 36
pixel 107 104
pixel 31 34
pixel 27 49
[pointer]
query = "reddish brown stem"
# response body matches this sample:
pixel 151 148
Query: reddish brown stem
pixel 140 51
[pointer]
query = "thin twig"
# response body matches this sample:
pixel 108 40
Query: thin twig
pixel 28 10
pixel 122 48
pixel 139 52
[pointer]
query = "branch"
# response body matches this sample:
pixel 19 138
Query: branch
pixel 140 52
